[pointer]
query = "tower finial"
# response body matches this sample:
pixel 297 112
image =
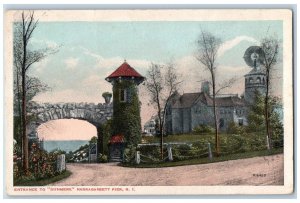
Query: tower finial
pixel 255 56
pixel 124 60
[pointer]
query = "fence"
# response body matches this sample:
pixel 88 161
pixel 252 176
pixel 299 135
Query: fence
pixel 150 153
pixel 172 152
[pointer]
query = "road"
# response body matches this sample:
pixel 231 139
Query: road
pixel 266 170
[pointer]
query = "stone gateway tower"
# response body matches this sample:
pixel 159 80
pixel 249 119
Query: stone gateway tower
pixel 255 80
pixel 126 121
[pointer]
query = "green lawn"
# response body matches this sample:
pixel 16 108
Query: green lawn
pixel 43 182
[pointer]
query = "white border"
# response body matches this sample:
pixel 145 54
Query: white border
pixel 167 15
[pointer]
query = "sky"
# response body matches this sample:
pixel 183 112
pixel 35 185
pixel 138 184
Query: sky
pixel 90 51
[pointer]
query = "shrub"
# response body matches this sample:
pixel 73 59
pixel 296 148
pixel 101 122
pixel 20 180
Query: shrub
pixel 203 129
pixel 129 154
pixel 103 158
pixel 233 128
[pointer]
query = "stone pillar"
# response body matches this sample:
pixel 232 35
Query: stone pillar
pixel 170 155
pixel 61 163
pixel 209 151
pixel 137 157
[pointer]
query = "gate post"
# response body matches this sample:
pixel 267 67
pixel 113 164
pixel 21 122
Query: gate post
pixel 209 151
pixel 170 155
pixel 137 157
pixel 61 163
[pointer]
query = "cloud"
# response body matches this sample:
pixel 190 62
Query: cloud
pixel 227 45
pixel 71 63
pixel 44 43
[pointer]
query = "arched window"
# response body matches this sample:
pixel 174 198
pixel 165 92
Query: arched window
pixel 250 80
pixel 263 81
pixel 258 80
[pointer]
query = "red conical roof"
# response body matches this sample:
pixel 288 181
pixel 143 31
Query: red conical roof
pixel 125 70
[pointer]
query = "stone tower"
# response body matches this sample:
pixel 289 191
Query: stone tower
pixel 255 80
pixel 126 121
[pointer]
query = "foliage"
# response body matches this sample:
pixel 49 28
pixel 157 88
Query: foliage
pixel 207 51
pixel 82 153
pixel 129 154
pixel 128 111
pixel 205 160
pixel 103 158
pixel 161 87
pixel 186 147
pixel 104 136
pixel 42 165
pixel 25 87
pixel 234 128
pixel 93 140
pixel 203 129
pixel 256 117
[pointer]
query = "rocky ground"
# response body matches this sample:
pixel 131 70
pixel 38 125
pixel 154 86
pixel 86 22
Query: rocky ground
pixel 266 170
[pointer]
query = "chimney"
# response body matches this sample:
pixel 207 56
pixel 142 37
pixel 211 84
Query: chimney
pixel 205 87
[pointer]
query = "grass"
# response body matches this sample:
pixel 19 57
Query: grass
pixel 206 160
pixel 178 138
pixel 43 182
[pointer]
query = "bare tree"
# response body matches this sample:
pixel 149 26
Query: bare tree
pixel 208 46
pixel 270 48
pixel 24 58
pixel 161 87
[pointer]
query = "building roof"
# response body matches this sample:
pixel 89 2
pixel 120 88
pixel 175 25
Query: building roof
pixel 125 70
pixel 230 101
pixel 187 100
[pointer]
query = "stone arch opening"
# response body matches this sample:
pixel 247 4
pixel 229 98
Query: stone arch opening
pixel 66 134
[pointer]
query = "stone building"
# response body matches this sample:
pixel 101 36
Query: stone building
pixel 193 109
pixel 189 110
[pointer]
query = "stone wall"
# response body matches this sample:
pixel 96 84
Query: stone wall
pixel 93 113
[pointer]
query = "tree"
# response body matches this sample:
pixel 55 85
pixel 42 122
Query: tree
pixel 208 46
pixel 270 48
pixel 26 86
pixel 256 116
pixel 161 87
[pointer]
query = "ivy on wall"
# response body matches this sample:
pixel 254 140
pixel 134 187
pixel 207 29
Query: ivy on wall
pixel 126 114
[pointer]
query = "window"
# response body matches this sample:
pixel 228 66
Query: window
pixel 221 122
pixel 263 81
pixel 122 95
pixel 128 95
pixel 258 80
pixel 250 80
pixel 241 122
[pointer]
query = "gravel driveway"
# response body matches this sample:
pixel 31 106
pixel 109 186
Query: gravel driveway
pixel 266 170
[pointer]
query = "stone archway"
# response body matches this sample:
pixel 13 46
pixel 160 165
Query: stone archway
pixel 96 114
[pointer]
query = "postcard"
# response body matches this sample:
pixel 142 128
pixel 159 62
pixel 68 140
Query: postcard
pixel 148 102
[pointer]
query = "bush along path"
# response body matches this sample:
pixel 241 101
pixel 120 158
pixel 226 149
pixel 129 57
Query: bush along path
pixel 201 151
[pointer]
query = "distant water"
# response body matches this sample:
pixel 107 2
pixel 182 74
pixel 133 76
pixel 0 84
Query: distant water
pixel 65 145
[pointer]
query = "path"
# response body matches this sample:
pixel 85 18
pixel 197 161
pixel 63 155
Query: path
pixel 266 170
